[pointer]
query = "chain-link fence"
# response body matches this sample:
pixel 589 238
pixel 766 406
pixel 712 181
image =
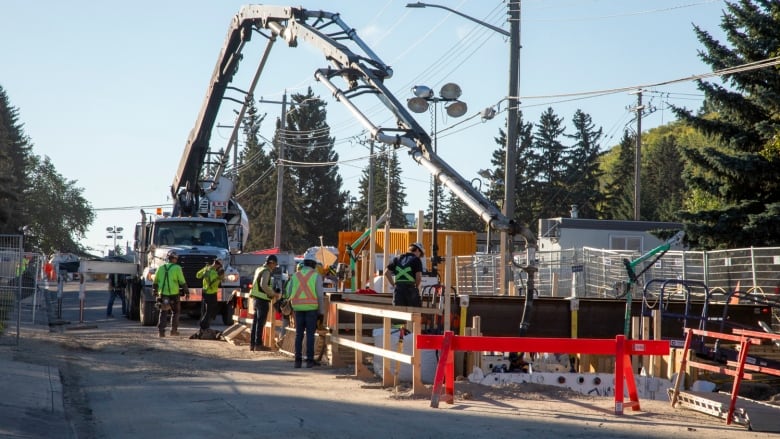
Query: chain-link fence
pixel 598 273
pixel 22 296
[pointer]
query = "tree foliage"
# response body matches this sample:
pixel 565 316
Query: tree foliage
pixel 737 171
pixel 384 157
pixel 320 204
pixel 35 195
pixel 256 182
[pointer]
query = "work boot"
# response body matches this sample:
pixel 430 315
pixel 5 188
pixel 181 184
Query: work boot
pixel 174 332
pixel 311 363
pixel 298 364
pixel 162 334
pixel 251 348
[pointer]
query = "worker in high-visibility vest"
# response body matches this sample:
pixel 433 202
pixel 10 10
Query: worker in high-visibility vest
pixel 169 283
pixel 262 294
pixel 21 267
pixel 404 273
pixel 307 297
pixel 212 278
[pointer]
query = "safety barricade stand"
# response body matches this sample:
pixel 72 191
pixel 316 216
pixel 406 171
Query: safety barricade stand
pixel 621 348
pixel 745 338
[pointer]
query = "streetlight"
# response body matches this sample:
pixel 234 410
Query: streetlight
pixel 450 92
pixel 114 232
pixel 512 116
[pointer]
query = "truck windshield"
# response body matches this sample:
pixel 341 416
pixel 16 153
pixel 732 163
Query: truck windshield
pixel 194 233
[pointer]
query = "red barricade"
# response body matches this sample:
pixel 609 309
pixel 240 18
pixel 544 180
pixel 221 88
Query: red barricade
pixel 621 348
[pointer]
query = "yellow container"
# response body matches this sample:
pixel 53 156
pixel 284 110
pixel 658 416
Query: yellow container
pixel 463 243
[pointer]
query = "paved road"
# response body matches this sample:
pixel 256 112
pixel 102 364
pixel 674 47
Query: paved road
pixel 118 380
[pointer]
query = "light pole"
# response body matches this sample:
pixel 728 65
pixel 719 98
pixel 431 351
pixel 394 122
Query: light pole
pixel 512 117
pixel 114 232
pixel 450 92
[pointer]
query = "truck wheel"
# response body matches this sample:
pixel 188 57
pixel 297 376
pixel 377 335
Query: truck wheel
pixel 147 313
pixel 227 314
pixel 132 297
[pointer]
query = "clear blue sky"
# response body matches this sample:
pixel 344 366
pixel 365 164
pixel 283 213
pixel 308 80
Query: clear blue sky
pixel 110 90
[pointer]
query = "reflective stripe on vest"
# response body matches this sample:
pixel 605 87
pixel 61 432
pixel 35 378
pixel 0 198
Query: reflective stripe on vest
pixel 303 291
pixel 404 274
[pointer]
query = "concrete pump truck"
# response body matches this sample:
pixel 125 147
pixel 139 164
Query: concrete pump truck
pixel 207 203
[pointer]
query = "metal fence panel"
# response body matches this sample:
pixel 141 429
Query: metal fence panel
pixel 592 272
pixel 22 296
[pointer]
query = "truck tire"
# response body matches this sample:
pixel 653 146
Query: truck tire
pixel 147 313
pixel 227 314
pixel 132 297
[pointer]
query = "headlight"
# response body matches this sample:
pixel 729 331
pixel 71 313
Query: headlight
pixel 232 277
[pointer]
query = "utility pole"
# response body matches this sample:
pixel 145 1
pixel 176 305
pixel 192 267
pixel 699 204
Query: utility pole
pixel 638 159
pixel 370 201
pixel 511 142
pixel 280 175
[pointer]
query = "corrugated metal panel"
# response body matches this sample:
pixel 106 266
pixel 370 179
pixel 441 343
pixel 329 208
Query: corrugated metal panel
pixel 463 243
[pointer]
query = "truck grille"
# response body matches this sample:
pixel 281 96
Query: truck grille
pixel 190 264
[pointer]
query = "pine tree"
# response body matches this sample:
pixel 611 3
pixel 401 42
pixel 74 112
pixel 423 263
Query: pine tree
pixel 313 167
pixel 548 168
pixel 384 155
pixel 15 165
pixel 460 217
pixel 663 188
pixel 495 176
pixel 582 166
pixel 34 194
pixel 256 183
pixel 738 171
pixel 619 186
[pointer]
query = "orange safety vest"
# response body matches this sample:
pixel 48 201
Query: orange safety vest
pixel 303 291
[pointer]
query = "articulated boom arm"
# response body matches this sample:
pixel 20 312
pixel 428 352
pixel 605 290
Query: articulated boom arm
pixel 363 74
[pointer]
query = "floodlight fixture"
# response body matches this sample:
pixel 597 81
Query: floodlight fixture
pixel 418 104
pixel 450 91
pixel 456 109
pixel 422 91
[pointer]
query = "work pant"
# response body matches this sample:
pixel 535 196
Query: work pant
pixel 305 321
pixel 116 292
pixel 209 308
pixel 171 314
pixel 261 307
pixel 406 294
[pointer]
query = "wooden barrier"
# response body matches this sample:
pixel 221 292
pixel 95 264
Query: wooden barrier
pixel 412 318
pixel 621 348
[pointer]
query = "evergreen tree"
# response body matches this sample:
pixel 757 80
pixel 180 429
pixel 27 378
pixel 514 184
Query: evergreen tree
pixel 313 167
pixel 34 194
pixel 461 217
pixel 662 187
pixel 738 171
pixel 548 167
pixel 15 165
pixel 384 156
pixel 256 183
pixel 582 172
pixel 523 188
pixel 619 182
